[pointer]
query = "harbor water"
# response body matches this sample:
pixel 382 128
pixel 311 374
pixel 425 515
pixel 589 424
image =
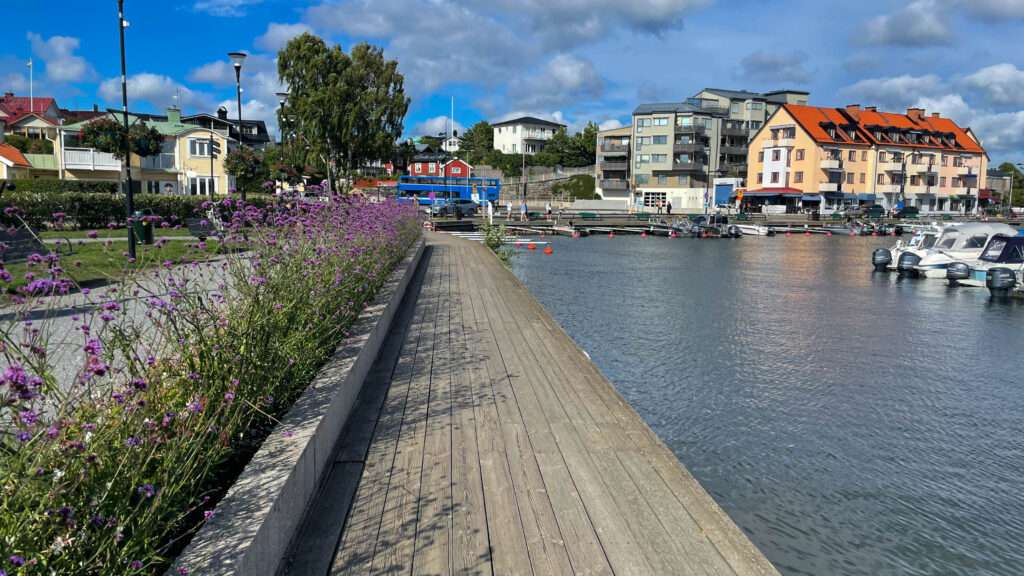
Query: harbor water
pixel 849 422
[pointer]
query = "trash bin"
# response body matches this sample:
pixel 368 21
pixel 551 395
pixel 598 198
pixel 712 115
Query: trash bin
pixel 815 215
pixel 458 212
pixel 143 228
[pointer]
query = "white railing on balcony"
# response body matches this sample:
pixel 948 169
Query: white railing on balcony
pixel 89 159
pixel 781 142
pixel 828 187
pixel 891 166
pixel 889 188
pixel 537 135
pixel 831 164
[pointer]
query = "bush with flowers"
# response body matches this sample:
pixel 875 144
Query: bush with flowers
pixel 120 435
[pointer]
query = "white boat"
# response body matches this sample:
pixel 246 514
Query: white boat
pixel 1002 251
pixel 923 240
pixel 963 243
pixel 755 230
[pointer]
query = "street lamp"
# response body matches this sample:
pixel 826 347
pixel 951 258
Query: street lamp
pixel 292 119
pixel 236 60
pixel 129 198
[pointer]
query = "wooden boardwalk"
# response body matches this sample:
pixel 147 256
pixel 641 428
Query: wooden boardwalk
pixel 485 442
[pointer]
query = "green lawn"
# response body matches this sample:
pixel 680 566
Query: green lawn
pixel 97 261
pixel 111 234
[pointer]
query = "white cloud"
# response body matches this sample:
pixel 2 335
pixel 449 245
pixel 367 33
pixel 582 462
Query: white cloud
pixel 895 93
pixel 62 64
pixel 1000 85
pixel 157 90
pixel 17 83
pixel 435 126
pixel 226 8
pixel 764 67
pixel 998 131
pixel 610 124
pixel 219 73
pixel 566 79
pixel 921 23
pixel 253 110
pixel 993 10
pixel 278 35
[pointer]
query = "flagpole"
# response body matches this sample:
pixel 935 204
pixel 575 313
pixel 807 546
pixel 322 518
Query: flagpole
pixel 31 88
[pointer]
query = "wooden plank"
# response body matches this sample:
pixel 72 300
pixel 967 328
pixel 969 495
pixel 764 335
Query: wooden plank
pixel 431 552
pixel 470 540
pixel 359 538
pixel 509 552
pixel 397 536
pixel 320 534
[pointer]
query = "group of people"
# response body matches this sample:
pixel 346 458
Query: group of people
pixel 523 215
pixel 666 205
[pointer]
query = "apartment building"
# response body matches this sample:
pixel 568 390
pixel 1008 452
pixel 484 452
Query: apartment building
pixel 810 157
pixel 612 171
pixel 678 148
pixel 526 135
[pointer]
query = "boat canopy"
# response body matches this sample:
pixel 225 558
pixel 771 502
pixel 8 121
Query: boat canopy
pixel 971 235
pixel 1003 249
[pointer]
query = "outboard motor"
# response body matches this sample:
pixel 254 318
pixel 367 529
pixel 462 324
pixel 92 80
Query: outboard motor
pixel 734 231
pixel 907 265
pixel 956 272
pixel 1000 281
pixel 898 229
pixel 881 259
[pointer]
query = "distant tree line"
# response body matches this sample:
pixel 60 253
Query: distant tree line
pixel 573 151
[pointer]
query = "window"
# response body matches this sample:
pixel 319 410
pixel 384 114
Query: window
pixel 789 133
pixel 198 148
pixel 760 156
pixel 755 124
pixel 776 155
pixel 775 177
pixel 852 156
pixel 754 106
pixel 660 140
pixel 418 168
pixel 863 178
pixel 760 178
pixel 864 156
pixel 881 156
pixel 800 154
pixel 157 187
pixel 642 178
pixel 798 177
pixel 735 108
pixel 942 181
pixel 456 170
pixel 880 179
pixel 514 128
pixel 661 121
pixel 682 180
pixel 202 186
pixel 707 123
pixel 944 159
pixel 849 177
pixel 958 161
pixel 955 183
pixel 662 179
pixel 432 168
pixel 659 158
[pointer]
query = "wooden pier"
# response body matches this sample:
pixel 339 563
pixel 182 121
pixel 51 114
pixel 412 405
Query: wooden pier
pixel 486 442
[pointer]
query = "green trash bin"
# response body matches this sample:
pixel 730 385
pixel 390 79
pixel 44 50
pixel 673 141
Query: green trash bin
pixel 143 228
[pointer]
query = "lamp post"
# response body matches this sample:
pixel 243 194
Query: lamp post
pixel 129 198
pixel 292 118
pixel 282 97
pixel 236 60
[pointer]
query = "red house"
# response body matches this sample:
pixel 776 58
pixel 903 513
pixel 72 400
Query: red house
pixel 439 164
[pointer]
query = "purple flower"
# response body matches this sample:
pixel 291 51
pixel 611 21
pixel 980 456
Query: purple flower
pixel 28 418
pixel 147 489
pixel 195 407
pixel 93 347
pixel 208 514
pixel 17 560
pixel 182 571
pixel 93 234
pixel 135 565
pixel 133 441
pixel 112 306
pixel 24 436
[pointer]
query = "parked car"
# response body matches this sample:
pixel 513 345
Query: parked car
pixel 909 212
pixel 448 207
pixel 872 211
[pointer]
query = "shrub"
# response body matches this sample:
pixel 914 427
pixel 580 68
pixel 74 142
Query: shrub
pixel 580 187
pixel 29 145
pixel 114 460
pixel 55 186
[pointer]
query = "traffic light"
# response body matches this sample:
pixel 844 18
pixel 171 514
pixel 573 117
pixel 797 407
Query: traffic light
pixel 214 148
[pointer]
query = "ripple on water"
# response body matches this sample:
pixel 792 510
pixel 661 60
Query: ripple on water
pixel 849 422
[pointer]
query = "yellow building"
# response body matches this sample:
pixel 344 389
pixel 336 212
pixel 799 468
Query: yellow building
pixel 807 157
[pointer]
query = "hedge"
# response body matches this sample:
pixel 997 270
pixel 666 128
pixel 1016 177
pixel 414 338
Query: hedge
pixel 78 210
pixel 55 186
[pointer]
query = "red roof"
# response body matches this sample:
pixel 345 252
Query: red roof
pixel 811 119
pixel 14 155
pixel 17 107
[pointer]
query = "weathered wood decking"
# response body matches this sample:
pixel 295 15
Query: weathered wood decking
pixel 485 442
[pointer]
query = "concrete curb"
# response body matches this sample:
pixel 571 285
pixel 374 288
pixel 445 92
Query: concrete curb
pixel 255 522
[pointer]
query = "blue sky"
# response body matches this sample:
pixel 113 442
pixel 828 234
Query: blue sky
pixel 566 60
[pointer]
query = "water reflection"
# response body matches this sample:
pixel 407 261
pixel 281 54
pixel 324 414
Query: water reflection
pixel 850 422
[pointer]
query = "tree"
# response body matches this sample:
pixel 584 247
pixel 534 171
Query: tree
pixel 1016 183
pixel 108 135
pixel 433 141
pixel 247 167
pixel 349 109
pixel 477 142
pixel 589 142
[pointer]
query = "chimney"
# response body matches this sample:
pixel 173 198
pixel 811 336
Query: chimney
pixel 871 109
pixel 222 113
pixel 853 110
pixel 8 95
pixel 174 115
pixel 95 107
pixel 915 114
pixel 936 115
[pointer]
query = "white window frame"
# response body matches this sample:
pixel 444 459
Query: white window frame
pixel 198 147
pixel 200 186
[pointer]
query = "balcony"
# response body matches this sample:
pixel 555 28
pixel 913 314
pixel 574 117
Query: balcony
pixel 688 147
pixel 159 163
pixel 739 150
pixel 537 135
pixel 833 164
pixel 967 171
pixel 89 159
pixel 736 132
pixel 718 110
pixel 687 167
pixel 732 167
pixel 780 143
pixel 891 166
pixel 924 169
pixel 613 166
pixel 889 188
pixel 828 187
pixel 614 184
pixel 614 149
pixel 690 129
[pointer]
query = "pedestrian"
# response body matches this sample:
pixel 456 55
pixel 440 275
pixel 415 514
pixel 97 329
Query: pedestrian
pixel 668 207
pixel 522 211
pixel 548 208
pixel 508 216
pixel 561 209
pixel 416 201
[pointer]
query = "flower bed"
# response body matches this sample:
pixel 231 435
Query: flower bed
pixel 178 376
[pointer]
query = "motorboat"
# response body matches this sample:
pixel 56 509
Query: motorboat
pixel 1002 251
pixel 679 227
pixel 714 226
pixel 924 239
pixel 963 243
pixel 569 230
pixel 755 230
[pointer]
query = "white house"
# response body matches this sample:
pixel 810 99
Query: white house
pixel 526 135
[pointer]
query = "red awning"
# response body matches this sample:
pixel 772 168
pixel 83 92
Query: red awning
pixel 773 192
pixel 986 195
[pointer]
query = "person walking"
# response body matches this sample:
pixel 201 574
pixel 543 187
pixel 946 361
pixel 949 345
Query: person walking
pixel 561 209
pixel 668 207
pixel 659 206
pixel 522 212
pixel 548 208
pixel 508 215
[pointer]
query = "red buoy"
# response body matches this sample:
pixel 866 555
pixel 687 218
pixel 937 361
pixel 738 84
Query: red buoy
pixel 575 235
pixel 851 233
pixel 519 243
pixel 611 234
pixel 788 234
pixel 643 234
pixel 531 246
pixel 672 235
pixel 829 234
pixel 874 233
pixel 548 250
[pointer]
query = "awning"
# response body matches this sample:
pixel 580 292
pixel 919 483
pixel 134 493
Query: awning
pixel 811 198
pixel 785 191
pixel 866 197
pixel 983 195
pixel 788 195
pixel 838 196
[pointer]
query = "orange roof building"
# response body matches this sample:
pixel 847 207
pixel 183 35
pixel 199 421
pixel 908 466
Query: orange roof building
pixel 13 163
pixel 838 156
